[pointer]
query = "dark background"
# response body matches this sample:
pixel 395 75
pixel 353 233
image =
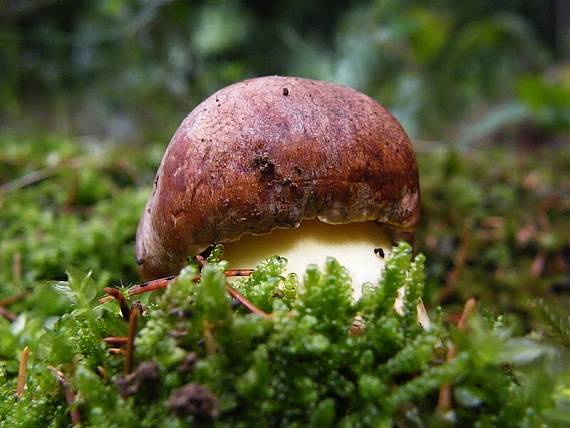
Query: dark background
pixel 129 70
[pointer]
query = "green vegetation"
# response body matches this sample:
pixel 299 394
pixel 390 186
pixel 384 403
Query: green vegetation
pixel 495 227
pixel 68 214
pixel 127 69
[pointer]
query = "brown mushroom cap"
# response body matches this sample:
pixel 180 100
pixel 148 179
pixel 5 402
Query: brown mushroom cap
pixel 268 153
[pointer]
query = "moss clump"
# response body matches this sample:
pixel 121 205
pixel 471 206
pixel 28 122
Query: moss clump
pixel 202 359
pixel 302 367
pixel 495 227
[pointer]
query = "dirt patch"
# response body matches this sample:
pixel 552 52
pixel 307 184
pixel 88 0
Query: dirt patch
pixel 144 380
pixel 194 399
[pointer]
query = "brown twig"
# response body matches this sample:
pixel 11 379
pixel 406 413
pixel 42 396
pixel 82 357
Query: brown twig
pixel 26 180
pixel 445 400
pixel 13 299
pixel 133 320
pixel 157 284
pixel 468 309
pixel 36 176
pixel 247 303
pixel 123 305
pixel 162 283
pixel 22 372
pixel 238 272
pixel 69 396
pixel 116 340
pixel 146 287
pixel 10 316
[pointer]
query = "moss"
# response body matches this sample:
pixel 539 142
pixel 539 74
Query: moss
pixel 215 364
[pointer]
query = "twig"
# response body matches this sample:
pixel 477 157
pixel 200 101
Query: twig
pixel 69 396
pixel 28 179
pixel 162 283
pixel 22 372
pixel 123 305
pixel 468 310
pixel 146 287
pixel 238 272
pixel 10 316
pixel 41 174
pixel 247 303
pixel 157 284
pixel 116 340
pixel 135 312
pixel 13 299
pixel 444 403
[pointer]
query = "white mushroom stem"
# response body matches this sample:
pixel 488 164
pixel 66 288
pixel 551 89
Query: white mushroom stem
pixel 352 245
pixel 360 247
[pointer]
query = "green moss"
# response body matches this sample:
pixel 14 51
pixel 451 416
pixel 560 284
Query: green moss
pixel 302 367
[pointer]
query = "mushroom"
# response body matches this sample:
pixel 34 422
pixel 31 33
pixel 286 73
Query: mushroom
pixel 300 168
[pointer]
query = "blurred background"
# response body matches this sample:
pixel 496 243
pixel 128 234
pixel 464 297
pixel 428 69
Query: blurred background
pixel 91 91
pixel 132 69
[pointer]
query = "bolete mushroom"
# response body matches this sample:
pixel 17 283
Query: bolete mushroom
pixel 282 165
